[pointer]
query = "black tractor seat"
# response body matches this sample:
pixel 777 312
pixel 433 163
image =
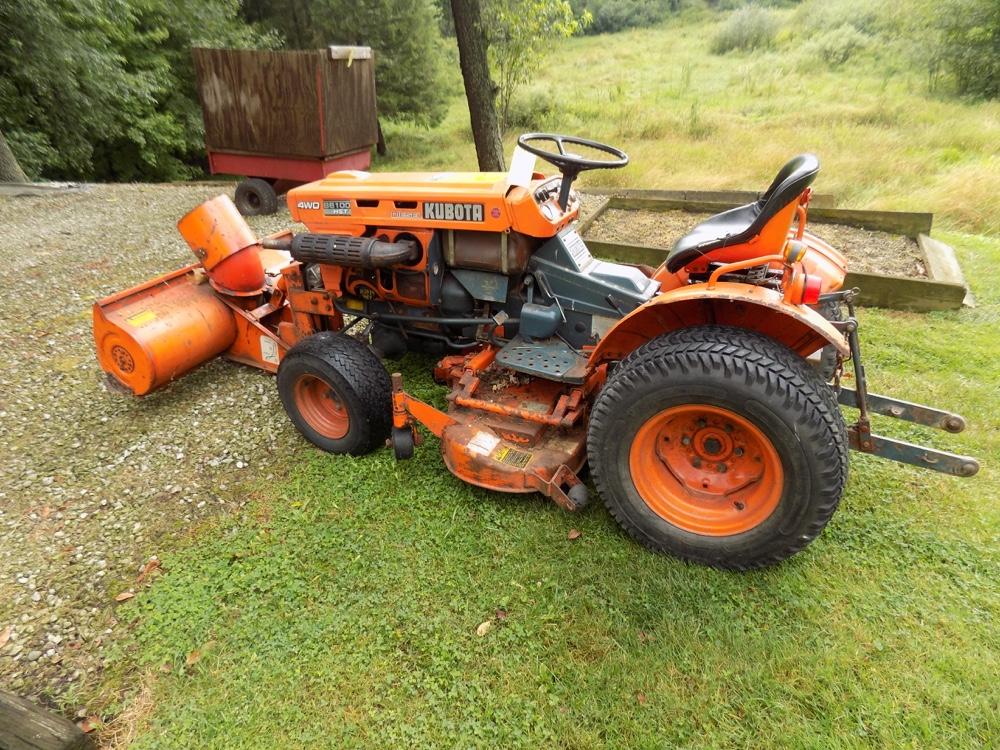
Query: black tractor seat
pixel 739 225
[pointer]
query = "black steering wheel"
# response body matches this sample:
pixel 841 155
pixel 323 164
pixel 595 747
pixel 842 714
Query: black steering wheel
pixel 568 163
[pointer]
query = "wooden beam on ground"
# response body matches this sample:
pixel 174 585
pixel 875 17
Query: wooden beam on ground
pixel 903 293
pixel 726 198
pixel 896 222
pixel 637 254
pixel 25 726
pixel 821 208
pixel 942 264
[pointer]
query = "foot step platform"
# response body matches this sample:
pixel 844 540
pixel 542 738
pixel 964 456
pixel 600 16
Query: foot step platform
pixel 549 358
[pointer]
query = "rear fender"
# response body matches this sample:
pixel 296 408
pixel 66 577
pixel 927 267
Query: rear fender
pixel 800 328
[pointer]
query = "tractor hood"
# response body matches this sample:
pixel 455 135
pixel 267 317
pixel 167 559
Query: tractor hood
pixel 346 202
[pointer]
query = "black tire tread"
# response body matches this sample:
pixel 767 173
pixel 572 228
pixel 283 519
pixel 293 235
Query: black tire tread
pixel 760 360
pixel 263 189
pixel 363 372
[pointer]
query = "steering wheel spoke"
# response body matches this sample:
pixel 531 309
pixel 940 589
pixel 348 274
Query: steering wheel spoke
pixel 570 165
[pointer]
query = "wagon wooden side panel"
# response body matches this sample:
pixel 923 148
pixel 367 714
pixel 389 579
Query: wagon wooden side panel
pixel 308 104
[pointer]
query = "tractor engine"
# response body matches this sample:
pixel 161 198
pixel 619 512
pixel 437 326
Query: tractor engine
pixel 426 290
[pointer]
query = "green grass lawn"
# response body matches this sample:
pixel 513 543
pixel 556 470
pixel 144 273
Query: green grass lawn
pixel 342 608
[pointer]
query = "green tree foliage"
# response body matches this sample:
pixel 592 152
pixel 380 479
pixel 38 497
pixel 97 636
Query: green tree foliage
pixel 970 45
pixel 615 15
pixel 104 88
pixel 519 33
pixel 405 35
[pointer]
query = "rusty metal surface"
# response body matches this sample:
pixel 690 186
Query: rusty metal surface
pixel 905 410
pixel 916 455
pixel 505 431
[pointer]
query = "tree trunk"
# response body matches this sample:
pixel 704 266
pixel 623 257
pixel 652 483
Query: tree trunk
pixel 10 170
pixel 479 87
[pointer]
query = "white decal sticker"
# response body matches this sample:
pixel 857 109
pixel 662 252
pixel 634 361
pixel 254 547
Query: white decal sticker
pixel 269 350
pixel 483 443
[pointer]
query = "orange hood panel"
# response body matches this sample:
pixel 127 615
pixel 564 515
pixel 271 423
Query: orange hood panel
pixel 346 202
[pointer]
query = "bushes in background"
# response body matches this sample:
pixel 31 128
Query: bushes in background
pixel 615 15
pixel 747 28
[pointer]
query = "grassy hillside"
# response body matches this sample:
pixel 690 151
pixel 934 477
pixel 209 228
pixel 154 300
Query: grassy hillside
pixel 691 119
pixel 341 609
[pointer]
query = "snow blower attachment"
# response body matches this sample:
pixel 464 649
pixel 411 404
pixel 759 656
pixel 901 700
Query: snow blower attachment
pixel 687 389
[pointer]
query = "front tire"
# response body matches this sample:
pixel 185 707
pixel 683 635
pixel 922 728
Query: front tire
pixel 720 446
pixel 337 393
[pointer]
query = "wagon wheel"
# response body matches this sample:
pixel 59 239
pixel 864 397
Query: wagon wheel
pixel 720 446
pixel 256 197
pixel 337 393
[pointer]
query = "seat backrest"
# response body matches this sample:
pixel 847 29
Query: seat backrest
pixel 769 218
pixel 788 184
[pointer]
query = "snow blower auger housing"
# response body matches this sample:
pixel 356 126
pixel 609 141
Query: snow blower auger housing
pixel 704 394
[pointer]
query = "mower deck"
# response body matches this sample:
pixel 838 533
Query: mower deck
pixel 505 430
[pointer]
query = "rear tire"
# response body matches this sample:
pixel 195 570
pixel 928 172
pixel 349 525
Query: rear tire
pixel 337 393
pixel 255 197
pixel 720 446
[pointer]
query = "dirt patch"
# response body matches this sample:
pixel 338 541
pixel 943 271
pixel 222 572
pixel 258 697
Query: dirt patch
pixel 94 483
pixel 867 251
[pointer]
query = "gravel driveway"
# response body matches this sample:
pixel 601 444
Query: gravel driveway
pixel 94 483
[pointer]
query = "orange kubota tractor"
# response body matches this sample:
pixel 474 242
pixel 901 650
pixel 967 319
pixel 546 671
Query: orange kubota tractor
pixel 704 394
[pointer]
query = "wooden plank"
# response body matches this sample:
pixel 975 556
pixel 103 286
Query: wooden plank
pixel 285 103
pixel 895 292
pixel 726 198
pixel 638 254
pixel 942 264
pixel 586 223
pixel 25 726
pixel 666 204
pixel 896 222
pixel 347 52
pixel 348 105
pixel 902 293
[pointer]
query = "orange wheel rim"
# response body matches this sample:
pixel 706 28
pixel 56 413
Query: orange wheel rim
pixel 321 407
pixel 706 470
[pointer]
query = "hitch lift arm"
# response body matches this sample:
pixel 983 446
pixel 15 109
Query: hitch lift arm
pixel 860 435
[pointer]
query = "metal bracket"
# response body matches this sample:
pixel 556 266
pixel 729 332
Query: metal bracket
pixel 905 410
pixel 916 455
pixel 860 434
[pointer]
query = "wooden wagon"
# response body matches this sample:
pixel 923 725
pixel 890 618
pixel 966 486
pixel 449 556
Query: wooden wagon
pixel 283 118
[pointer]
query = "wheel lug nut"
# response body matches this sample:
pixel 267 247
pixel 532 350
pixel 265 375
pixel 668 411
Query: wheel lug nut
pixel 738 452
pixel 721 468
pixel 702 423
pixel 728 427
pixel 696 462
pixel 685 440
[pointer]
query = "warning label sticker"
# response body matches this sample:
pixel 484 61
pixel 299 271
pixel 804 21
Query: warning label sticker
pixel 141 318
pixel 512 456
